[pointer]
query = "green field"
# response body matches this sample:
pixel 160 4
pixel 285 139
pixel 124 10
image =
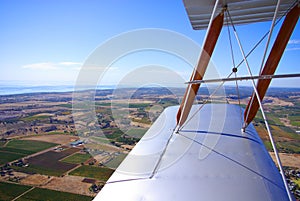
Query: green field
pixel 40 194
pixel 297 181
pixel 35 117
pixel 116 161
pixel 137 132
pixel 144 120
pixel 99 173
pixel 6 157
pixel 102 104
pixel 138 105
pixel 77 158
pixel 2 143
pixel 268 145
pixel 286 138
pixel 37 169
pixel 56 133
pixel 9 191
pixel 31 146
pixel 67 105
pixel 295 120
pixel 100 139
pixel 112 133
pixel 16 149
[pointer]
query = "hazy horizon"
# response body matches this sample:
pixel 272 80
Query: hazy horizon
pixel 16 88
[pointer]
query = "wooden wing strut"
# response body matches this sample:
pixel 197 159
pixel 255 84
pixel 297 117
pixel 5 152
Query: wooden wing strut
pixel 272 62
pixel 192 89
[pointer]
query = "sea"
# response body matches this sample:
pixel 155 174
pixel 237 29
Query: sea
pixel 13 88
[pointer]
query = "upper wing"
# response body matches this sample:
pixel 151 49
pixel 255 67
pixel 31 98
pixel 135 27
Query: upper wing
pixel 242 11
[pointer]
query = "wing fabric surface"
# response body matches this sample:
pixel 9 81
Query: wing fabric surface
pixel 242 11
pixel 236 167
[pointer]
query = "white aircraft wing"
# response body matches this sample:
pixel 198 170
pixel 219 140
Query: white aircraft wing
pixel 242 11
pixel 209 159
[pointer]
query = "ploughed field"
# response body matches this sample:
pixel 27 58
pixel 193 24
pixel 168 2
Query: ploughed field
pixel 49 163
pixel 64 171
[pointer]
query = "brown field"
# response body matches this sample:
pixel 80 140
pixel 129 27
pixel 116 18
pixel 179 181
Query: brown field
pixel 104 147
pixel 139 125
pixel 291 160
pixel 19 175
pixel 50 160
pixel 54 155
pixel 36 180
pixel 44 110
pixel 277 101
pixel 58 139
pixel 71 184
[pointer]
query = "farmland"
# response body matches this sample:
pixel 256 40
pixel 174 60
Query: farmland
pixel 30 146
pixel 114 163
pixel 9 191
pixel 46 167
pixel 16 149
pixel 49 163
pixel 39 128
pixel 6 157
pixel 50 195
pixel 77 158
pixel 99 173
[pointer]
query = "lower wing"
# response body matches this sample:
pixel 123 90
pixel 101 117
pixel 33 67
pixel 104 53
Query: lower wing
pixel 209 159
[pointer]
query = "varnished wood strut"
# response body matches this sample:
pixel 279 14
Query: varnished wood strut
pixel 199 71
pixel 272 62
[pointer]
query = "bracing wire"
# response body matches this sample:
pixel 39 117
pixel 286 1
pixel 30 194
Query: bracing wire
pixel 234 69
pixel 266 34
pixel 194 72
pixel 230 42
pixel 222 83
pixel 266 49
pixel 205 102
pixel 240 63
pixel 262 112
pixel 269 33
pixel 269 36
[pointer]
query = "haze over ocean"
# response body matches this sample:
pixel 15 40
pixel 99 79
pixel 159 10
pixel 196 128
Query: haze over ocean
pixel 19 87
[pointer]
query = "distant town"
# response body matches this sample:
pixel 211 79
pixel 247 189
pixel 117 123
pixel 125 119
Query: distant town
pixel 49 147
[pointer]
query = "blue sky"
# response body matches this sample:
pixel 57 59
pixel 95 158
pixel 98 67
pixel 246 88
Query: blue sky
pixel 46 42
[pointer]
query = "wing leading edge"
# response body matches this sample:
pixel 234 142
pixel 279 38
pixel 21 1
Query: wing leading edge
pixel 204 161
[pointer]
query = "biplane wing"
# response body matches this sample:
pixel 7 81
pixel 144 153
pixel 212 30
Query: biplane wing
pixel 242 11
pixel 211 157
pixel 237 167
